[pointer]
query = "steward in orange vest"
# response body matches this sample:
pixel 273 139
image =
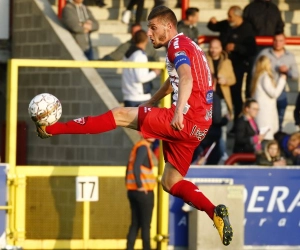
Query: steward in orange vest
pixel 146 179
pixel 140 182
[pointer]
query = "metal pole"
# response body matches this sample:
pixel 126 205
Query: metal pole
pixel 61 5
pixel 184 5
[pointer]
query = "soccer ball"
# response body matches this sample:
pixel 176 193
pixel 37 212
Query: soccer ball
pixel 45 108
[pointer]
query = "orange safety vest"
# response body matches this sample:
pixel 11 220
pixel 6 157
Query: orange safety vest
pixel 147 177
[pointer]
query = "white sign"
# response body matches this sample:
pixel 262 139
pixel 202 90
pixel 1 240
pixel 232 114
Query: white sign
pixel 87 188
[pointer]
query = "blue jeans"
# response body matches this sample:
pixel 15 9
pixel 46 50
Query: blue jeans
pixel 281 107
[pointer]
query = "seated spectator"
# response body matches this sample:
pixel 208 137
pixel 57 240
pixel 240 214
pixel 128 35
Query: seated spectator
pixel 247 137
pixel 283 62
pixel 294 147
pixel 80 21
pixel 297 111
pixel 188 26
pixel 271 156
pixel 136 85
pixel 119 53
pixel 265 91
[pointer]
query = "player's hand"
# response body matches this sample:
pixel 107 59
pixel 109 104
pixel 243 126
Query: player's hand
pixel 41 129
pixel 177 121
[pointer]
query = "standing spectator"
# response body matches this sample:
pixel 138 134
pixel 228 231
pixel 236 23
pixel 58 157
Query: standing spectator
pixel 79 20
pixel 138 14
pixel 238 40
pixel 159 2
pixel 119 53
pixel 136 82
pixel 265 91
pixel 297 111
pixel 188 26
pixel 140 183
pixel 100 3
pixel 283 62
pixel 223 76
pixel 247 137
pixel 265 18
pixel 271 156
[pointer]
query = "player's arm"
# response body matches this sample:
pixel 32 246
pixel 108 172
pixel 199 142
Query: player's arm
pixel 164 90
pixel 184 92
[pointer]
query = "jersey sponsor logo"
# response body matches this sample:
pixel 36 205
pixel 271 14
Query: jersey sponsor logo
pixel 176 43
pixel 209 97
pixel 198 133
pixel 208 114
pixel 80 121
pixel 180 53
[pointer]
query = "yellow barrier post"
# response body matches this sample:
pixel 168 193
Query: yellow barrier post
pixel 11 144
pixel 163 197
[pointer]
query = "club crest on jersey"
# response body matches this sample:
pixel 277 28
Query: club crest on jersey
pixel 209 97
pixel 180 53
pixel 80 121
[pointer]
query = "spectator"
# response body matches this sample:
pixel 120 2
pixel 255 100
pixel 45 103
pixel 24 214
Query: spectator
pixel 238 40
pixel 223 74
pixel 140 183
pixel 247 137
pixel 189 26
pixel 297 111
pixel 265 91
pixel 138 14
pixel 79 20
pixel 265 18
pixel 120 51
pixel 271 156
pixel 136 82
pixel 159 2
pixel 283 62
pixel 293 147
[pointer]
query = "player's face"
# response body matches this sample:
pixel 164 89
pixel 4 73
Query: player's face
pixel 157 32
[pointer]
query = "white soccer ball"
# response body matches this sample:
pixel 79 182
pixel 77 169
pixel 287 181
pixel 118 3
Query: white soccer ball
pixel 45 108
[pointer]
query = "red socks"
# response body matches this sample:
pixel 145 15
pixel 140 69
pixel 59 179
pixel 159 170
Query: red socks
pixel 190 193
pixel 84 125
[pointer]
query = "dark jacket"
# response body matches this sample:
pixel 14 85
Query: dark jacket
pixel 262 160
pixel 265 18
pixel 297 111
pixel 244 134
pixel 188 30
pixel 242 36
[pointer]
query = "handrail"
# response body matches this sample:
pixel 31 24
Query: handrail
pixel 240 157
pixel 184 5
pixel 260 40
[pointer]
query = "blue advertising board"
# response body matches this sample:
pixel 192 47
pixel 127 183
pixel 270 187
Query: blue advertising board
pixel 2 197
pixel 272 204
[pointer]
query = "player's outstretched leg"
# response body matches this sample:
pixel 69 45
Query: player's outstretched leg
pixel 222 224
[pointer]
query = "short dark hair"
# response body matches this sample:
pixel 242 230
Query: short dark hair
pixel 163 13
pixel 248 102
pixel 140 37
pixel 191 11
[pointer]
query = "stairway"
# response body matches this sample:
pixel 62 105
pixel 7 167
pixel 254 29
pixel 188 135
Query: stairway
pixel 112 32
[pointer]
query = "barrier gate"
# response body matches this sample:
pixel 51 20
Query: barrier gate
pixel 42 210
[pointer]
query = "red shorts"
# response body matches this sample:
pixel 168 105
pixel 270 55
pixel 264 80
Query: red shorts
pixel 178 146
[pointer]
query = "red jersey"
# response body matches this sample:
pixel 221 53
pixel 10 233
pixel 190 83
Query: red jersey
pixel 182 49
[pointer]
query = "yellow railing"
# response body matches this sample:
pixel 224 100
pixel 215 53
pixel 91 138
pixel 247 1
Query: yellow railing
pixel 17 175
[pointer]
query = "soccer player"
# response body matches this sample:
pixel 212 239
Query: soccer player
pixel 181 127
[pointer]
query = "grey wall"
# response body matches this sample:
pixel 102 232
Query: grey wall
pixel 33 37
